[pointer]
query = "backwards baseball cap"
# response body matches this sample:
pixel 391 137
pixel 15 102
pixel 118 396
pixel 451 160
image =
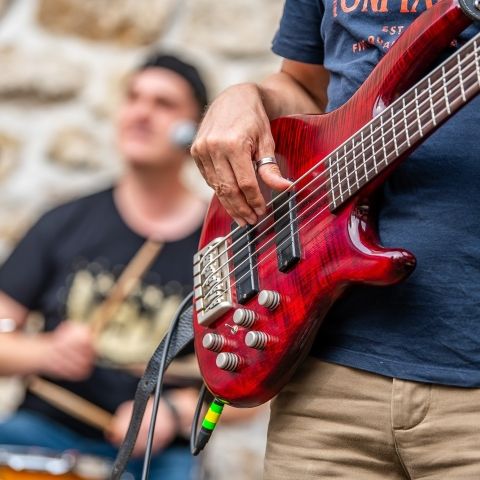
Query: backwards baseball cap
pixel 184 69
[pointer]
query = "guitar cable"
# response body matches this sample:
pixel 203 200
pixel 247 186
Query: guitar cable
pixel 159 387
pixel 198 440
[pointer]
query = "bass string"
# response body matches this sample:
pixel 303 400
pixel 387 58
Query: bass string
pixel 371 135
pixel 269 242
pixel 372 140
pixel 394 138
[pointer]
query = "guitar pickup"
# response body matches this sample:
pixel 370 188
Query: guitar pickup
pixel 286 230
pixel 244 262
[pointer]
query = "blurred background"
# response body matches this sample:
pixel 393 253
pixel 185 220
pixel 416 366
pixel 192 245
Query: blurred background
pixel 63 63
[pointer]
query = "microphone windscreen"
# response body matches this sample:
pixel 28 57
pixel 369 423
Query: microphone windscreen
pixel 183 133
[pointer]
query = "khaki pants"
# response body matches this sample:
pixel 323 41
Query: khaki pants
pixel 334 422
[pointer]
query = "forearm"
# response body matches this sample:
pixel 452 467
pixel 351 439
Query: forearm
pixel 184 401
pixel 282 95
pixel 21 354
pixel 296 88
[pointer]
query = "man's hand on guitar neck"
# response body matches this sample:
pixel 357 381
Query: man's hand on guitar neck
pixel 236 132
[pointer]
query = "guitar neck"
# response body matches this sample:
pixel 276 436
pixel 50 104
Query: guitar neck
pixel 405 123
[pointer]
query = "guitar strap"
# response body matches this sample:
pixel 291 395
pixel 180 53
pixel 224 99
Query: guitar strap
pixel 181 336
pixel 126 283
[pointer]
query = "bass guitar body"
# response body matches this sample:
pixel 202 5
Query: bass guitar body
pixel 262 292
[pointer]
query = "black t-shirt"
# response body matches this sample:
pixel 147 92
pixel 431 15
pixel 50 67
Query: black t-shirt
pixel 65 266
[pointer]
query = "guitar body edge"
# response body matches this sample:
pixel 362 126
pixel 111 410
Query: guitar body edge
pixel 338 248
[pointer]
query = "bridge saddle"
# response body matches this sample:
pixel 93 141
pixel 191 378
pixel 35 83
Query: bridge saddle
pixel 211 276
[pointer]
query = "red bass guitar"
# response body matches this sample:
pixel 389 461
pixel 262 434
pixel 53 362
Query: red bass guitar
pixel 261 292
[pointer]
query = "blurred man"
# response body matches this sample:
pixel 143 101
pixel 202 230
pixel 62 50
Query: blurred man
pixel 67 267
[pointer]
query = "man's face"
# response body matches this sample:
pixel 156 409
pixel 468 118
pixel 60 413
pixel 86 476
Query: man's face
pixel 156 100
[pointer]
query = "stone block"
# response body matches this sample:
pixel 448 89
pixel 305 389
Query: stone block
pixel 75 148
pixel 235 28
pixel 126 22
pixel 38 77
pixel 9 154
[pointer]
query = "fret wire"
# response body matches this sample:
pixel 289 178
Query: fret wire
pixel 329 168
pixel 372 143
pixel 404 111
pixel 304 213
pixel 364 161
pixel 392 119
pixel 301 227
pixel 445 93
pixel 393 155
pixel 340 190
pixel 459 64
pixel 424 82
pixel 382 133
pixel 431 101
pixel 332 188
pixel 355 164
pixel 347 173
pixel 477 59
pixel 443 113
pixel 403 120
pixel 418 113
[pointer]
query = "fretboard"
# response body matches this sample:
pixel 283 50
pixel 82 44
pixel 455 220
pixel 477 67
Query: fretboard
pixel 405 123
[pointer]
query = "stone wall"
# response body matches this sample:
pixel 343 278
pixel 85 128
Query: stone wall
pixel 62 66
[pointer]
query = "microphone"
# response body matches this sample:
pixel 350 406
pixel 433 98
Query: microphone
pixel 183 133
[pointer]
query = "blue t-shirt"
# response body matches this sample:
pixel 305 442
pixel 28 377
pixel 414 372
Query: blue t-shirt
pixel 427 328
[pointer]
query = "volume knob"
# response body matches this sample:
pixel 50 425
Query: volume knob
pixel 256 340
pixel 228 361
pixel 269 299
pixel 213 341
pixel 244 317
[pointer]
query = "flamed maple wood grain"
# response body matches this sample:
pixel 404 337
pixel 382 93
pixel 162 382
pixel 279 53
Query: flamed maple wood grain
pixel 338 248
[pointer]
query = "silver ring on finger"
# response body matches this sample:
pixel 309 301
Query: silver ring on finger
pixel 264 161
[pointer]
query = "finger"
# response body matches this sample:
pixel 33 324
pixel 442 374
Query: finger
pixel 200 167
pixel 272 177
pixel 209 173
pixel 270 173
pixel 244 171
pixel 227 188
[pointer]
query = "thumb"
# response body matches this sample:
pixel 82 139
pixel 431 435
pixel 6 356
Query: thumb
pixel 270 172
pixel 272 177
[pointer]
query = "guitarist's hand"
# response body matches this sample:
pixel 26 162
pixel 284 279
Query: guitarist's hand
pixel 234 133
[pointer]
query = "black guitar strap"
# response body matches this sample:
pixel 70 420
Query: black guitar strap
pixel 181 336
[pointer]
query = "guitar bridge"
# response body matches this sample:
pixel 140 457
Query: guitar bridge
pixel 211 280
